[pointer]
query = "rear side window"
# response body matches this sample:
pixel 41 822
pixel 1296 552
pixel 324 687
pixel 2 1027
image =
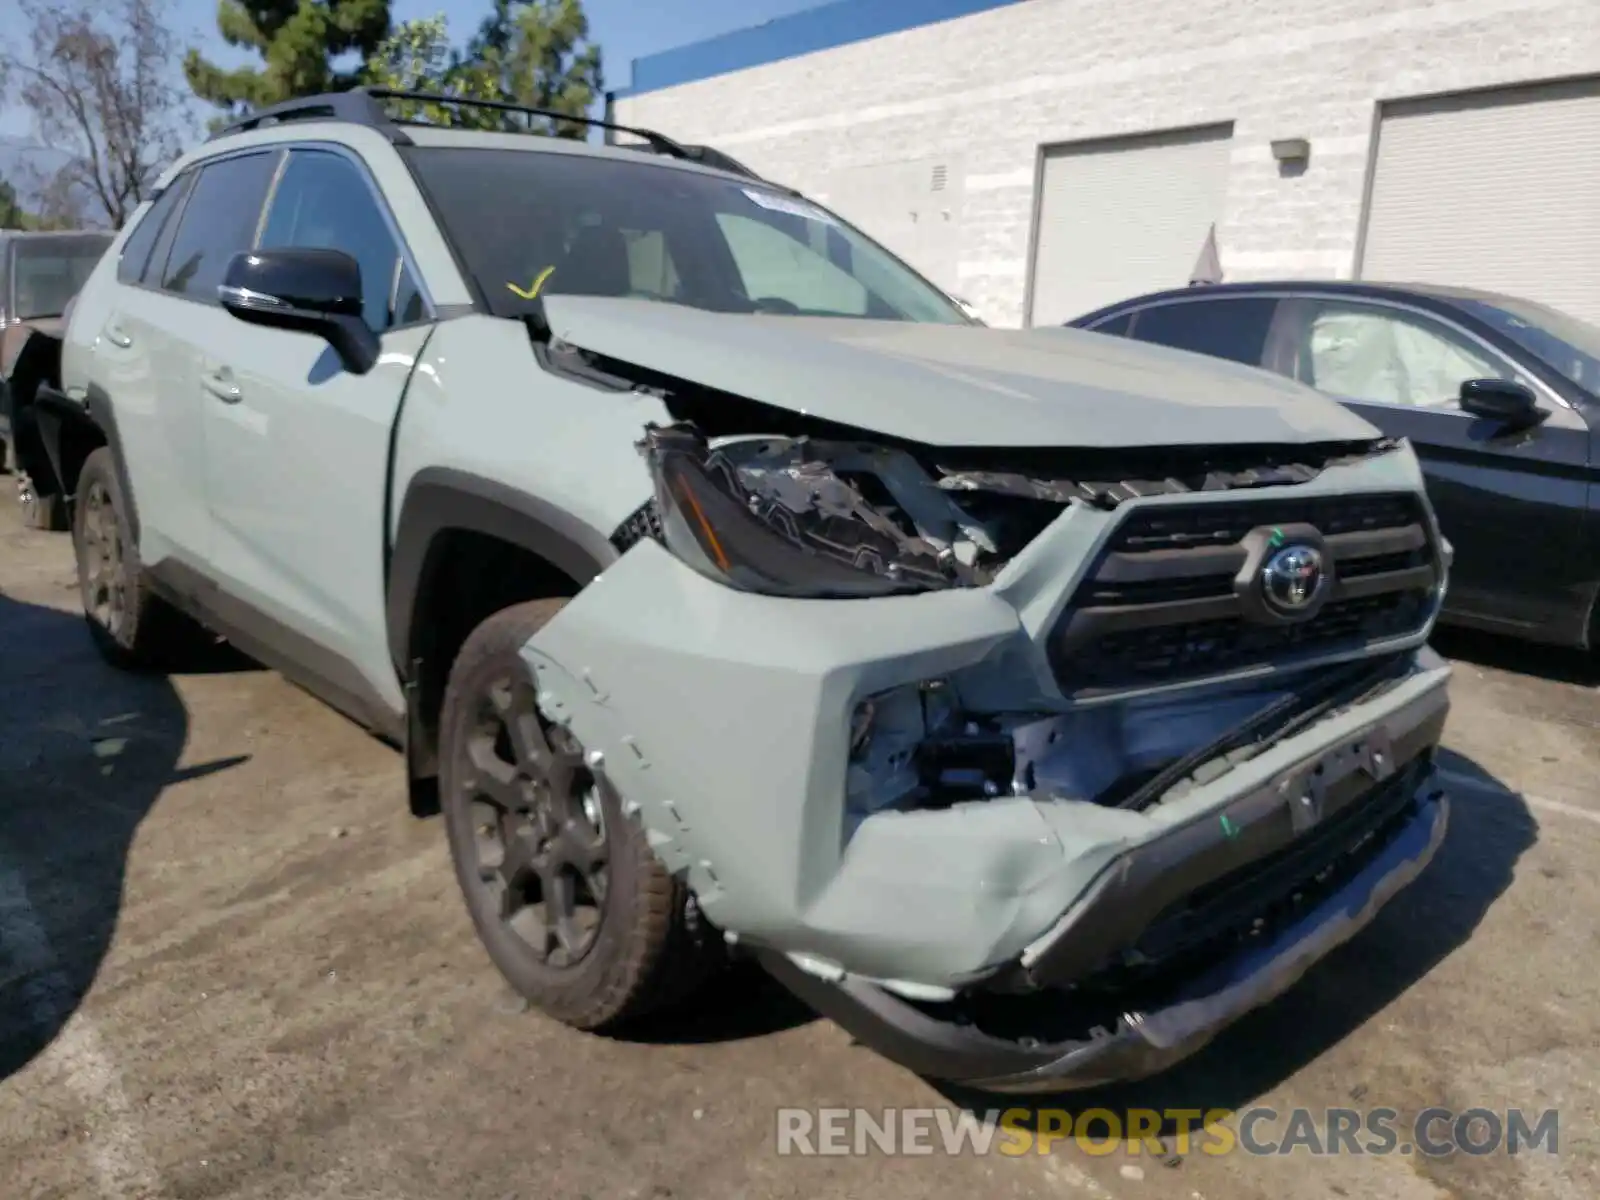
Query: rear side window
pixel 135 260
pixel 1232 329
pixel 219 221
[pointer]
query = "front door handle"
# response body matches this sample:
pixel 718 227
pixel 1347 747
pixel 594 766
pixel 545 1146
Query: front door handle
pixel 221 385
pixel 116 336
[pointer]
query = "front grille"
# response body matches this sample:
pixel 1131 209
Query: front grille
pixel 644 523
pixel 1165 601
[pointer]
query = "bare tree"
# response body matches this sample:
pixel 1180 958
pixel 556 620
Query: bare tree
pixel 101 81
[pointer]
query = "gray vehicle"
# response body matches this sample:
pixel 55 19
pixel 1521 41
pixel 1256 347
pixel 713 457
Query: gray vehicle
pixel 40 272
pixel 1032 703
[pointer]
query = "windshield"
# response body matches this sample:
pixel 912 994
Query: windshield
pixel 46 273
pixel 1569 345
pixel 531 223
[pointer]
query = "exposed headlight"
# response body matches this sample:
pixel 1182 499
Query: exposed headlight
pixel 808 534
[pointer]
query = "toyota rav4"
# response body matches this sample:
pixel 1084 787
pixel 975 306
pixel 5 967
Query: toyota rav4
pixel 1030 702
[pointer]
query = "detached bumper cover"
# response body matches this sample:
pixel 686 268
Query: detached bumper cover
pixel 1154 1040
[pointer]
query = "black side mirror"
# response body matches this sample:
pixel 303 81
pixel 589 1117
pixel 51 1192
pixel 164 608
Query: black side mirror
pixel 307 291
pixel 1502 401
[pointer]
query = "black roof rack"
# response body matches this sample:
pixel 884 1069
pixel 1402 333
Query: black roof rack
pixel 710 156
pixel 361 106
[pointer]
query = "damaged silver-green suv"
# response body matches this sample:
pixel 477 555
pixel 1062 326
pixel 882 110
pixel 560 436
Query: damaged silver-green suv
pixel 1031 702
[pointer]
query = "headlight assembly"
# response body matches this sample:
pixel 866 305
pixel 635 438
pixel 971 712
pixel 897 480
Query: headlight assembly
pixel 801 530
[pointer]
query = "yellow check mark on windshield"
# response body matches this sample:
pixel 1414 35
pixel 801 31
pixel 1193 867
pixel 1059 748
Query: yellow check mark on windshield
pixel 538 283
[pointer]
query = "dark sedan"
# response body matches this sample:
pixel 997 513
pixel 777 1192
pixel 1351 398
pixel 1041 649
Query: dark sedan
pixel 1499 396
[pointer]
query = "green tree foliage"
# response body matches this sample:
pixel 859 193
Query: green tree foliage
pixel 538 52
pixel 11 214
pixel 298 43
pixel 417 57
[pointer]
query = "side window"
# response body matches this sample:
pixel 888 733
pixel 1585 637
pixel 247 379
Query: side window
pixel 323 201
pixel 1386 356
pixel 157 266
pixel 135 259
pixel 1232 329
pixel 218 222
pixel 774 266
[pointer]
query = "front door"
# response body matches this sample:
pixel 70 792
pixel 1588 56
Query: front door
pixel 298 447
pixel 1511 503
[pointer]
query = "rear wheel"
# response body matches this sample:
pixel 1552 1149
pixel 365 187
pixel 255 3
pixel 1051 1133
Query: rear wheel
pixel 573 907
pixel 132 626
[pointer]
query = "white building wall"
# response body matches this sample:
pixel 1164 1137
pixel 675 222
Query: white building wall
pixel 989 90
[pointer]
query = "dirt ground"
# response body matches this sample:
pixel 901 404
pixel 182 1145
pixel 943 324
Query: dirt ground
pixel 232 964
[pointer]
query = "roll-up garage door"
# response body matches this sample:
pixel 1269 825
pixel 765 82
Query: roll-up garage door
pixel 1117 218
pixel 1496 190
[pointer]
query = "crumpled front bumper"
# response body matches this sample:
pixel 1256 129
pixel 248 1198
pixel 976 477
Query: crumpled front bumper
pixel 724 719
pixel 1145 1043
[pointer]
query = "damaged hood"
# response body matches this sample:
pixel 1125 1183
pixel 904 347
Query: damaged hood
pixel 955 385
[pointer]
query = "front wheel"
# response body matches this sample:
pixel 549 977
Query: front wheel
pixel 573 907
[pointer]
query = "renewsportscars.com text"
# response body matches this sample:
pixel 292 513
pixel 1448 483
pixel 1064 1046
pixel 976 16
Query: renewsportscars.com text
pixel 1260 1131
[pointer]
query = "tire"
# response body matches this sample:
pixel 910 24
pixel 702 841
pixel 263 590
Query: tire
pixel 133 627
pixel 647 946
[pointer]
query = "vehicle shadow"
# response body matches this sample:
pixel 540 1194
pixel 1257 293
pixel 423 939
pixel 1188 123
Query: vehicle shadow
pixel 1490 828
pixel 85 752
pixel 746 1003
pixel 1560 664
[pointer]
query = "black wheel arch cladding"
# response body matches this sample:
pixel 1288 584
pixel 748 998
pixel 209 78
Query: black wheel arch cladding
pixel 442 500
pixel 440 503
pixel 71 431
pixel 37 365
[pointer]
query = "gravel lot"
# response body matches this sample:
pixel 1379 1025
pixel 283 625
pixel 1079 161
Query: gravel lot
pixel 231 964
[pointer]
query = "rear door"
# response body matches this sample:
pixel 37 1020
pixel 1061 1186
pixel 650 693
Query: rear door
pixel 298 459
pixel 151 336
pixel 1512 504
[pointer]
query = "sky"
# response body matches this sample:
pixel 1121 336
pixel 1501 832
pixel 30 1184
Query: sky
pixel 625 29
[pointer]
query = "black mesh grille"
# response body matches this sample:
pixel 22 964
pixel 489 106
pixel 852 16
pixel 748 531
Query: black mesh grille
pixel 1163 602
pixel 644 523
pixel 1175 527
pixel 1255 899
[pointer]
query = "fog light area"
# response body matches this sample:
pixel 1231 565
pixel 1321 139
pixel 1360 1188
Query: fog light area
pixel 916 747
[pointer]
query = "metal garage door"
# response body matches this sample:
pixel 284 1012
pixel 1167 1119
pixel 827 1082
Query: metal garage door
pixel 1121 217
pixel 1498 190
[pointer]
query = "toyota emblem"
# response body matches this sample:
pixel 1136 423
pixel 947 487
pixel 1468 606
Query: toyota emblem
pixel 1292 579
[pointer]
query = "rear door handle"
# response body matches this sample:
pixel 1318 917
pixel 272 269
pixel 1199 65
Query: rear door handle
pixel 220 384
pixel 116 336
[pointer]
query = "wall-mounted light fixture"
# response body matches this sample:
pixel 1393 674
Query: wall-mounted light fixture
pixel 1291 150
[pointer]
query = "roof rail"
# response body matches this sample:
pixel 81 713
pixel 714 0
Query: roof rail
pixel 357 106
pixel 361 106
pixel 710 156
